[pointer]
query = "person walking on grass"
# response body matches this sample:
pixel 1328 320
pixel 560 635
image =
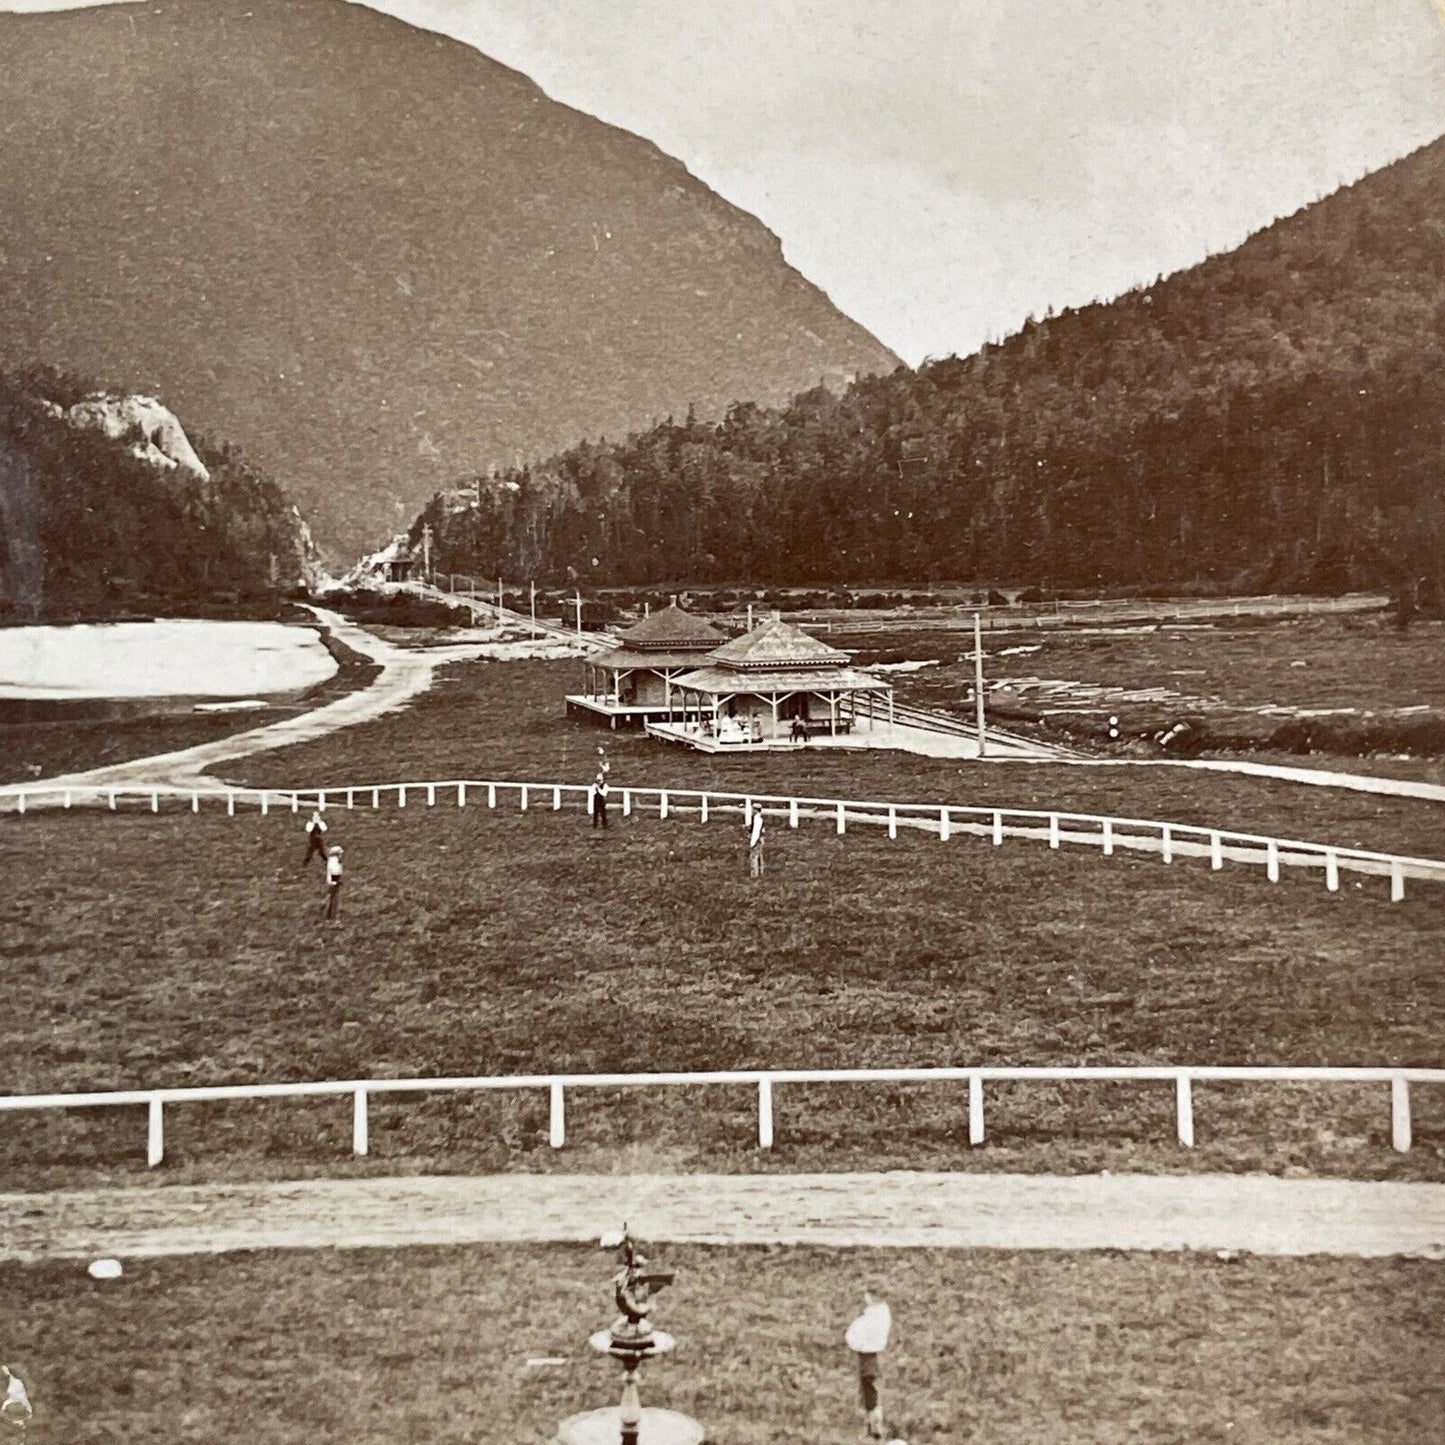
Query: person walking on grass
pixel 333 884
pixel 597 801
pixel 755 844
pixel 315 837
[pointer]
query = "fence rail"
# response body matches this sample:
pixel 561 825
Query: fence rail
pixel 764 1081
pixel 943 820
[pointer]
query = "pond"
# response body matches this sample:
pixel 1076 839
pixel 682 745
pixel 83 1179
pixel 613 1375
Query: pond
pixel 181 657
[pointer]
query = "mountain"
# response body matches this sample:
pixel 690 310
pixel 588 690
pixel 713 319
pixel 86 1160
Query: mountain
pixel 1272 418
pixel 371 256
pixel 106 504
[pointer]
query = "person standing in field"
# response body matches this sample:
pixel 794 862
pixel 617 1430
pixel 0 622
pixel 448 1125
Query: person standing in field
pixel 315 837
pixel 867 1337
pixel 597 801
pixel 333 883
pixel 755 844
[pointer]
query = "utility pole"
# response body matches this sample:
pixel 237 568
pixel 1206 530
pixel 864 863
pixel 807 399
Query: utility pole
pixel 534 609
pixel 978 683
pixel 426 550
pixel 499 599
pixel 579 612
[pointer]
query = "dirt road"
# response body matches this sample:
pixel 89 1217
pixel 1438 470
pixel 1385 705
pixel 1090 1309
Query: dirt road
pixel 1244 1213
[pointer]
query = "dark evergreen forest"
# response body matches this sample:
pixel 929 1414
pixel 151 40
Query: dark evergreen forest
pixel 1273 418
pixel 87 528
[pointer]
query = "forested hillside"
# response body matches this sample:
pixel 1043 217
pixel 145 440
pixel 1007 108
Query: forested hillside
pixel 370 255
pixel 1274 417
pixel 90 528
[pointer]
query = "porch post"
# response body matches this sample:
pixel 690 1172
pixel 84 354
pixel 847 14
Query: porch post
pixel 832 714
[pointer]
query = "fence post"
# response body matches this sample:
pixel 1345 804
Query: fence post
pixel 765 1112
pixel 1216 852
pixel 65 799
pixel 1332 870
pixel 401 797
pixel 792 812
pixel 1397 882
pixel 461 795
pixel 1184 1109
pixel 376 797
pixel 265 804
pixel 943 825
pixel 892 822
pixel 230 805
pixel 155 801
pixel 350 799
pixel 662 804
pixel 195 803
pixel 627 802
pixel 431 795
pixel 1053 830
pixel 524 798
pixel 491 795
pixel 842 822
pixel 360 1132
pixel 295 803
pixel 112 801
pixel 21 796
pixel 1166 844
pixel 1271 861
pixel 1108 836
pixel 557 1116
pixel 155 1133
pixel 975 1109
pixel 556 799
pixel 997 829
pixel 1400 1114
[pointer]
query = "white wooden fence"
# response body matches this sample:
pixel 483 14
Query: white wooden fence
pixel 765 1082
pixel 1093 830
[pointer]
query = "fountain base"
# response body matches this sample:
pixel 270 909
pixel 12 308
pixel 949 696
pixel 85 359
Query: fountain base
pixel 604 1427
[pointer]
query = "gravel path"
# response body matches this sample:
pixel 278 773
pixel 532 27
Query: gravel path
pixel 1246 1213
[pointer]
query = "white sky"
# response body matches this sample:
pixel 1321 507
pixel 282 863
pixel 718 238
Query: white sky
pixel 943 168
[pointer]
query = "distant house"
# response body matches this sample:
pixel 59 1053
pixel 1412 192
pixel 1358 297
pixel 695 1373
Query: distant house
pixel 760 687
pixel 637 680
pixel 394 563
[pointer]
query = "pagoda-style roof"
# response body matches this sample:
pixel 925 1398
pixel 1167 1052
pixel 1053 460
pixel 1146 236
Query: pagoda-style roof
pixel 777 645
pixel 739 682
pixel 670 629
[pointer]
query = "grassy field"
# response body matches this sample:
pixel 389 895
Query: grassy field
pixel 1011 1349
pixel 1359 672
pixel 179 949
pixel 506 720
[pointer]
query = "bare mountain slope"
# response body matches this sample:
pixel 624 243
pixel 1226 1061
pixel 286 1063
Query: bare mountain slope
pixel 372 256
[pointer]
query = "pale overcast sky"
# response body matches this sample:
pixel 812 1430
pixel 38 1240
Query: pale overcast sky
pixel 943 168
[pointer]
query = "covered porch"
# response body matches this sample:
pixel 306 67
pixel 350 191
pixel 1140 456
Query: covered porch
pixel 723 710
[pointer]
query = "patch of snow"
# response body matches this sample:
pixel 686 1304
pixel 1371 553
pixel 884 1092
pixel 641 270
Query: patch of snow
pixel 182 657
pixel 903 666
pixel 1019 651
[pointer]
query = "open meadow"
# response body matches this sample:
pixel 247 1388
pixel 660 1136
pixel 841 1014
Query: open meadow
pixel 188 949
pixel 1339 687
pixel 443 1345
